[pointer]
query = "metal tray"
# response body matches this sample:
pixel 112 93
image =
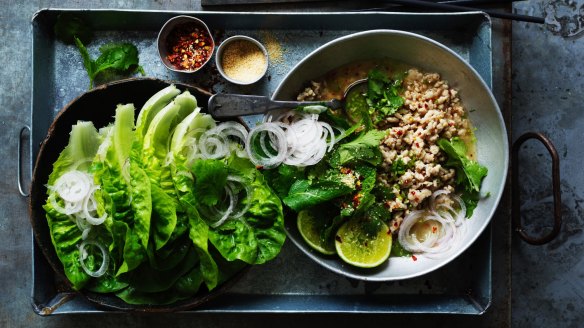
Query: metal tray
pixel 292 282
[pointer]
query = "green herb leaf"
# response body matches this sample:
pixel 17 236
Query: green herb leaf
pixel 282 179
pixel 469 173
pixel 365 148
pixel 398 167
pixel 383 94
pixel 119 57
pixel 307 193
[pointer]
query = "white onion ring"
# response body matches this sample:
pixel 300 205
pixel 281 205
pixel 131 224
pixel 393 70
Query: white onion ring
pixel 85 233
pixel 459 215
pixel 281 146
pixel 219 138
pixel 225 215
pixel 83 256
pixel 247 187
pixel 308 139
pixel 447 236
pixel 73 186
pixel 93 220
pixel 213 139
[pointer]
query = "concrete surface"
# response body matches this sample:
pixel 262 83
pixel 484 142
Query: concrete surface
pixel 548 284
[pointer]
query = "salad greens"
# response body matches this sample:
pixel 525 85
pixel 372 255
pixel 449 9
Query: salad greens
pixel 83 144
pixel 345 186
pixel 159 247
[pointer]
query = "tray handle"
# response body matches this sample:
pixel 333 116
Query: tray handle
pixel 515 209
pixel 21 190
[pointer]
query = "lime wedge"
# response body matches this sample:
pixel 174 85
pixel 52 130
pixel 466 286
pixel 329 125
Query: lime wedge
pixel 363 243
pixel 311 230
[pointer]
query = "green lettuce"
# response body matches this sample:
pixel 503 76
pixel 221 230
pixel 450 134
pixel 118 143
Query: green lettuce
pixel 152 186
pixel 185 136
pixel 83 144
pixel 258 235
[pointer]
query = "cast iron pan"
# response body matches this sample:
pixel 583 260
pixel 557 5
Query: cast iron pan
pixel 98 106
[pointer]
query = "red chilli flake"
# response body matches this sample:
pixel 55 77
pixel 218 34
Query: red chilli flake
pixel 414 258
pixel 189 47
pixel 345 170
pixel 356 200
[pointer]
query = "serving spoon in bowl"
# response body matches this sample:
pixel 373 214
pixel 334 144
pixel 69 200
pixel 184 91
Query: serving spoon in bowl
pixel 226 105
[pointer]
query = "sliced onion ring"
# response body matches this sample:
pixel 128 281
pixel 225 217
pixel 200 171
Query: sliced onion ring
pixel 451 229
pixel 87 209
pixel 281 146
pixel 83 256
pixel 73 186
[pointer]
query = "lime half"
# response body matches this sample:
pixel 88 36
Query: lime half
pixel 311 230
pixel 363 243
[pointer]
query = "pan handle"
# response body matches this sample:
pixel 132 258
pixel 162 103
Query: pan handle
pixel 515 210
pixel 19 172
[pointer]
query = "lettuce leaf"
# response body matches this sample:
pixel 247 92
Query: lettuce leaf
pixel 151 187
pixel 82 147
pixel 185 135
pixel 258 235
pixel 211 177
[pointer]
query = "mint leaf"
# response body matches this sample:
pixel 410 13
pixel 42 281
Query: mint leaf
pixel 469 174
pixel 307 193
pixel 365 148
pixel 119 57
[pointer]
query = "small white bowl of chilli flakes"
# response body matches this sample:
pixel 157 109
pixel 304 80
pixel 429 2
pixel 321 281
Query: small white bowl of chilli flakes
pixel 241 60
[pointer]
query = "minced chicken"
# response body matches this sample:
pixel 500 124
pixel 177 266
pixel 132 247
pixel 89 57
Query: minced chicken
pixel 431 110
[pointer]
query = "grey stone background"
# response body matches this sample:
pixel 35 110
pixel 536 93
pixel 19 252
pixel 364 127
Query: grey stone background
pixel 547 281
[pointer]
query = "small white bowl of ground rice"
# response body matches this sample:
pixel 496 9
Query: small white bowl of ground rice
pixel 241 60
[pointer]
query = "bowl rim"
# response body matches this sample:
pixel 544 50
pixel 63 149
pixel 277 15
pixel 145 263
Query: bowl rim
pixel 498 193
pixel 225 43
pixel 168 27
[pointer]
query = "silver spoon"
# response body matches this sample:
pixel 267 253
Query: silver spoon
pixel 225 105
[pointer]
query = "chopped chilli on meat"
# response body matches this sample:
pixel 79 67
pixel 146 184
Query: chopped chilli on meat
pixel 413 166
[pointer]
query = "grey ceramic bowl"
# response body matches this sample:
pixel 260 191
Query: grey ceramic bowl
pixel 430 56
pixel 225 44
pixel 167 29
